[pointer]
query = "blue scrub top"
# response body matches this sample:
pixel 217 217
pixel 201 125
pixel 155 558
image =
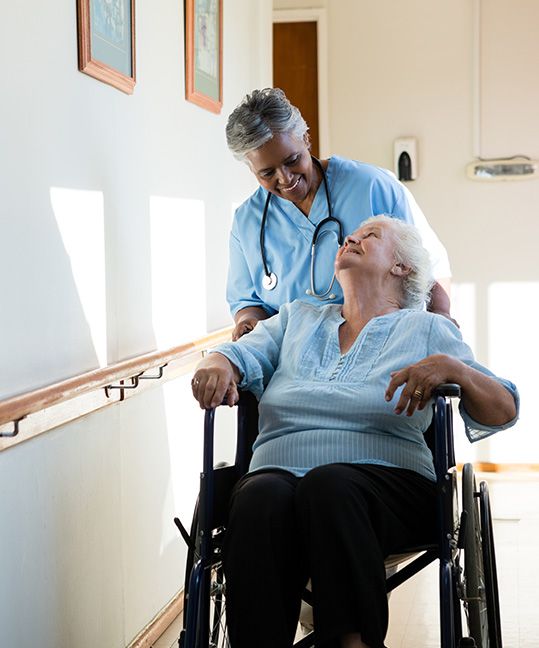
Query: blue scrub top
pixel 357 191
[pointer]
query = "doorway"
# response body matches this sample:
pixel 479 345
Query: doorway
pixel 295 70
pixel 300 68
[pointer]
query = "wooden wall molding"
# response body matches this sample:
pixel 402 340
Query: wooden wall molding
pixel 157 626
pixel 48 407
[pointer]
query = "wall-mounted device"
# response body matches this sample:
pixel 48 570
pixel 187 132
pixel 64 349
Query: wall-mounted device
pixel 514 168
pixel 405 158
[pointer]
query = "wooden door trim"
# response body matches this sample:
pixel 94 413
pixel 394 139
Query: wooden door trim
pixel 319 17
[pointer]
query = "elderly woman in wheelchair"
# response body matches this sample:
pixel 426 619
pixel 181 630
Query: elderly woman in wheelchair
pixel 341 476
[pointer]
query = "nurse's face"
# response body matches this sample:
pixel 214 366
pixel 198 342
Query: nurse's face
pixel 283 166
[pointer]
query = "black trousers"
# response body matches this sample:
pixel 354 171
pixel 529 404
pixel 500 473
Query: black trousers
pixel 335 525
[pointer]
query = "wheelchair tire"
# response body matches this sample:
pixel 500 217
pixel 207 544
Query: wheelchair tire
pixel 475 599
pixel 489 568
pixel 215 635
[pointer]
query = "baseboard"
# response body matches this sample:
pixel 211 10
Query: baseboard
pixel 487 466
pixel 157 626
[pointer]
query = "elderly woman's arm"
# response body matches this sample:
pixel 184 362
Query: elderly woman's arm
pixel 484 398
pixel 248 363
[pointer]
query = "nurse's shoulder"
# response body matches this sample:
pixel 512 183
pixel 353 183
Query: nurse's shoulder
pixel 251 208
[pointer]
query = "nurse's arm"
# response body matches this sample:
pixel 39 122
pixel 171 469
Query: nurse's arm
pixel 246 319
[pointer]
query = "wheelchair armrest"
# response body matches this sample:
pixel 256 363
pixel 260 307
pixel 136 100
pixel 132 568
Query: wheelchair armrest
pixel 450 390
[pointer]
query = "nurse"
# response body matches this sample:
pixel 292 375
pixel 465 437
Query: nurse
pixel 301 201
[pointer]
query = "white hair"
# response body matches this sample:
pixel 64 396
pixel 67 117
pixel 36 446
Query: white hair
pixel 409 251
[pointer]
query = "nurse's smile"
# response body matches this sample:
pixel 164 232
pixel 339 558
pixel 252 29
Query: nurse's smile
pixel 284 167
pixel 292 187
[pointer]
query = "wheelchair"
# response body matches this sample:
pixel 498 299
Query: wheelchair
pixel 468 588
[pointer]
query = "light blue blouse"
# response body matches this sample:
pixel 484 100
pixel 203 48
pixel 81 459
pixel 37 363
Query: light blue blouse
pixel 318 406
pixel 357 191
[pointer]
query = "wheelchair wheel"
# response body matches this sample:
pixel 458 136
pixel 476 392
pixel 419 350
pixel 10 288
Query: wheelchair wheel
pixel 210 611
pixel 489 568
pixel 475 600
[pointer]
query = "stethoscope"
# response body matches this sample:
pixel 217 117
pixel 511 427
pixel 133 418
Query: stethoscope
pixel 270 278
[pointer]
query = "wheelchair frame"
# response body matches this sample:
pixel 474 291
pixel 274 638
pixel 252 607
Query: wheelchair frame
pixel 472 587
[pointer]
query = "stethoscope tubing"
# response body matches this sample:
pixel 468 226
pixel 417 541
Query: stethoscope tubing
pixel 270 279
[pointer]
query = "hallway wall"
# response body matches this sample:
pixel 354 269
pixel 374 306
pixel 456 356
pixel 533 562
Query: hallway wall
pixel 114 216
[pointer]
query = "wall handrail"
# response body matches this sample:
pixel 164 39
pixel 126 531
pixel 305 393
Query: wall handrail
pixel 16 408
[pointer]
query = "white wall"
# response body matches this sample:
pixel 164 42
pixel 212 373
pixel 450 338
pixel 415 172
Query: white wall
pixel 107 200
pixel 406 68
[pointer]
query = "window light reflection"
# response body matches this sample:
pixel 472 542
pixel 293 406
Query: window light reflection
pixel 513 311
pixel 178 269
pixel 80 218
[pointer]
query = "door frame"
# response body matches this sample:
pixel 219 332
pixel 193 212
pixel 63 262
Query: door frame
pixel 319 17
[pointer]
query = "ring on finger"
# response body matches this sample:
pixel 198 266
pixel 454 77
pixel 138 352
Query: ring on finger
pixel 195 382
pixel 418 394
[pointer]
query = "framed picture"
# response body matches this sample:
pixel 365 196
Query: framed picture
pixel 204 53
pixel 106 31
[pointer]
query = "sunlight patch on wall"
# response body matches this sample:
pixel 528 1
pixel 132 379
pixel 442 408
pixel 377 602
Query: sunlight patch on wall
pixel 80 218
pixel 178 269
pixel 513 311
pixel 185 425
pixel 464 310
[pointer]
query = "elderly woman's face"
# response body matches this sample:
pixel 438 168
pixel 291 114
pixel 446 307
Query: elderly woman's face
pixel 371 248
pixel 283 166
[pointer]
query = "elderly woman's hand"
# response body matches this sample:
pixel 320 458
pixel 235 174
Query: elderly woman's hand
pixel 215 378
pixel 420 379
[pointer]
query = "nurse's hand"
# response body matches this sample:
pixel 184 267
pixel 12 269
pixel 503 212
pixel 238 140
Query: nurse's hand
pixel 246 319
pixel 215 378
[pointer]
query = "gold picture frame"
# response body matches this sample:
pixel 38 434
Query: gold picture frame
pixel 106 41
pixel 204 53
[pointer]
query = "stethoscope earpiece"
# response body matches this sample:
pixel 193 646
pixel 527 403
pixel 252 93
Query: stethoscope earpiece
pixel 270 278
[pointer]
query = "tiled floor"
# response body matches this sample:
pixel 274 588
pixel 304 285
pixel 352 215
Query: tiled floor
pixel 414 606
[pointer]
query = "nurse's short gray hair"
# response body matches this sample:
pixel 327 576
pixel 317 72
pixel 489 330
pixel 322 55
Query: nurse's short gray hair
pixel 260 116
pixel 410 252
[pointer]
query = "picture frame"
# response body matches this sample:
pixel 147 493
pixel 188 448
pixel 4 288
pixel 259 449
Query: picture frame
pixel 204 53
pixel 106 41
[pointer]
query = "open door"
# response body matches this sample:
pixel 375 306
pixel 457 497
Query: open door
pixel 295 70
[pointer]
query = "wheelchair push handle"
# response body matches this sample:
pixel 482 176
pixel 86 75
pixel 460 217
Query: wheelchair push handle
pixel 247 430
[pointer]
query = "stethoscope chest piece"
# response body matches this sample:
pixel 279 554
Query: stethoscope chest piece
pixel 269 281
